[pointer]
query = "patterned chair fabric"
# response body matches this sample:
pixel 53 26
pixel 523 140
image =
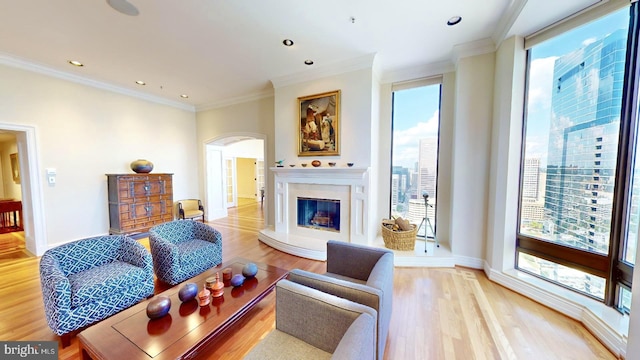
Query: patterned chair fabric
pixel 88 280
pixel 184 249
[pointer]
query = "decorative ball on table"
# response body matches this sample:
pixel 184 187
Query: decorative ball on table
pixel 250 270
pixel 188 292
pixel 158 307
pixel 141 166
pixel 237 280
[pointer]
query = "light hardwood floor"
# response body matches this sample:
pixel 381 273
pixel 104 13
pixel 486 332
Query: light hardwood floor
pixel 437 313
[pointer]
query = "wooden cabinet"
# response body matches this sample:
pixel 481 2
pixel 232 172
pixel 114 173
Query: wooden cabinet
pixel 139 201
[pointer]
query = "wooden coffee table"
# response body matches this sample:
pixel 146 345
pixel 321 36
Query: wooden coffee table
pixel 187 329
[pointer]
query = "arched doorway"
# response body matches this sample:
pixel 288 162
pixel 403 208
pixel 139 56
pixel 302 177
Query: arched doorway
pixel 229 176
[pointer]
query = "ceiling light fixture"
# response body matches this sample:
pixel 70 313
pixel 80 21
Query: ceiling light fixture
pixel 184 96
pixel 308 62
pixel 140 82
pixel 76 63
pixel 455 20
pixel 123 7
pixel 287 42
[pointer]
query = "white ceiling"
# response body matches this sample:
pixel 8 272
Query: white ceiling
pixel 216 51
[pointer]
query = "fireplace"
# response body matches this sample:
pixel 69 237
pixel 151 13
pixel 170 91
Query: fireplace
pixel 321 214
pixel 314 205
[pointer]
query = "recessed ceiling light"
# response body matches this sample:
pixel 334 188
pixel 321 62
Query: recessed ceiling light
pixel 308 62
pixel 123 7
pixel 76 63
pixel 287 42
pixel 184 96
pixel 455 20
pixel 140 82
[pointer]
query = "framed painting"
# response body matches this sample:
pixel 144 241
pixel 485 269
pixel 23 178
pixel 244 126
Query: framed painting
pixel 319 124
pixel 15 167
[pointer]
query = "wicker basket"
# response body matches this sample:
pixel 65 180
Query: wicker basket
pixel 399 240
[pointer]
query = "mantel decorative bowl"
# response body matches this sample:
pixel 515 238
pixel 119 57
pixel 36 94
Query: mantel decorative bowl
pixel 141 166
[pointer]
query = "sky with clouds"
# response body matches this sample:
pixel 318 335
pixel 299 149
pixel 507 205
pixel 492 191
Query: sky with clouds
pixel 415 116
pixel 541 82
pixel 416 111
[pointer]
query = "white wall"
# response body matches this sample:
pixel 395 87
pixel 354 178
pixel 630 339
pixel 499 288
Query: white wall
pixel 505 153
pixel 471 158
pixel 355 117
pixel 84 133
pixel 251 118
pixel 248 149
pixel 358 128
pixel 445 157
pixel 384 154
pixel 376 212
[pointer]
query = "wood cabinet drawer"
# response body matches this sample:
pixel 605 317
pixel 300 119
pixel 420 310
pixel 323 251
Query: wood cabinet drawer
pixel 139 201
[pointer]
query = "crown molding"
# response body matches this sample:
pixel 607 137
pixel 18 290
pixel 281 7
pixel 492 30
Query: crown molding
pixel 508 18
pixel 235 100
pixel 342 67
pixel 12 61
pixel 417 72
pixel 479 47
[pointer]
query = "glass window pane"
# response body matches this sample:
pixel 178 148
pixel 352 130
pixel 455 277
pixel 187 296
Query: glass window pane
pixel 575 279
pixel 624 304
pixel 571 144
pixel 416 121
pixel 634 211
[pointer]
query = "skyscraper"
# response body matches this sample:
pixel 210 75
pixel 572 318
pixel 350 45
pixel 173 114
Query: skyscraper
pixel 583 140
pixel 427 166
pixel 531 178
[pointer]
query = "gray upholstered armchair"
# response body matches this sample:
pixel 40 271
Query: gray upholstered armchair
pixel 311 324
pixel 358 273
pixel 91 279
pixel 184 249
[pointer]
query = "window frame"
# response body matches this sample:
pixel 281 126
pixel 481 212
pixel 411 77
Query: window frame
pixel 612 267
pixel 406 85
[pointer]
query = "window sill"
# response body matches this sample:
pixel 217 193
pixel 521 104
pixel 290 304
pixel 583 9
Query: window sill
pixel 607 324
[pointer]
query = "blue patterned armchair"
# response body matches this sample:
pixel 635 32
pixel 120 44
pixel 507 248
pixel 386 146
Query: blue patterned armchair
pixel 88 280
pixel 183 249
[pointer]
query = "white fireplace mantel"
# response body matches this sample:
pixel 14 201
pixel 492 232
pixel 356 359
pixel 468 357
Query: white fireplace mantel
pixel 339 173
pixel 350 185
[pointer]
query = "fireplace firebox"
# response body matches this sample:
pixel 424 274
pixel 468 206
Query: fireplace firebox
pixel 320 214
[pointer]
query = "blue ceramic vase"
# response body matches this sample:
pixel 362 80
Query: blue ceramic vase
pixel 142 166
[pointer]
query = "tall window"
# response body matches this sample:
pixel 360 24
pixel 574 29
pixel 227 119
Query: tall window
pixel 576 226
pixel 414 160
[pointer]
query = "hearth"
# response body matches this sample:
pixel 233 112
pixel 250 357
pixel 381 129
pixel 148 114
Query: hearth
pixel 320 214
pixel 314 205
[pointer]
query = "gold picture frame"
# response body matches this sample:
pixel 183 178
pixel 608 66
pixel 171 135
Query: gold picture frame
pixel 15 167
pixel 319 124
